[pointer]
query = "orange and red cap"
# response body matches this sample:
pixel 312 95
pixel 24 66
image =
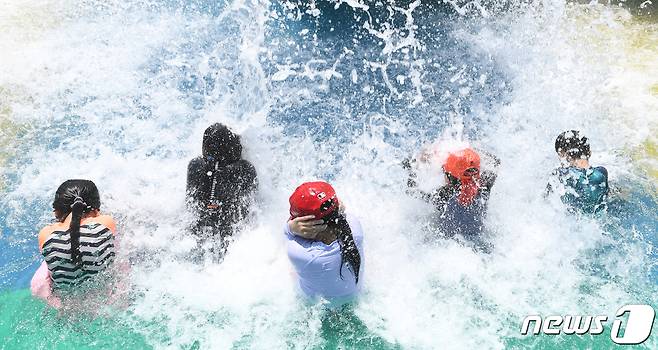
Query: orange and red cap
pixel 462 164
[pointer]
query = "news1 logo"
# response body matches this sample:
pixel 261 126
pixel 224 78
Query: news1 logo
pixel 637 327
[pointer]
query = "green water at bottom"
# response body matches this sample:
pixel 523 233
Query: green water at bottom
pixel 27 323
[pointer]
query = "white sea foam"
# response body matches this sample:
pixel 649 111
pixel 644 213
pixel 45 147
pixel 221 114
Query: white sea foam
pixel 137 132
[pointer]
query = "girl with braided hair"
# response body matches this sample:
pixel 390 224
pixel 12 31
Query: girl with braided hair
pixel 79 245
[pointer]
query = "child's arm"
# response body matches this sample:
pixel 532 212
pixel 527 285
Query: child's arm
pixel 412 184
pixel 42 286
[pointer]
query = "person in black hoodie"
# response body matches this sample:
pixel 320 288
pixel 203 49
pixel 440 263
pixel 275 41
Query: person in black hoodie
pixel 219 186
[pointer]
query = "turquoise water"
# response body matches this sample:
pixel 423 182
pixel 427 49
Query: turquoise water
pixel 120 92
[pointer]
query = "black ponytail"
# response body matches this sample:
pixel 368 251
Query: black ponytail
pixel 78 208
pixel 75 197
pixel 349 253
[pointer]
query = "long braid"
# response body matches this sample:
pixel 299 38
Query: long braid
pixel 349 253
pixel 78 208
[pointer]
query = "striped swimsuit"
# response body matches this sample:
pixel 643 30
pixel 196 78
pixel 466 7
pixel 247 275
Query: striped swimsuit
pixel 96 248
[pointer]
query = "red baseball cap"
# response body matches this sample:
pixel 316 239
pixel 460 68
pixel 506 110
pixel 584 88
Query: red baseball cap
pixel 313 198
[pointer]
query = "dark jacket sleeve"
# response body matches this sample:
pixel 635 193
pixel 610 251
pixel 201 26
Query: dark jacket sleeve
pixel 246 176
pixel 238 186
pixel 438 197
pixel 411 179
pixel 195 174
pixel 488 179
pixel 412 184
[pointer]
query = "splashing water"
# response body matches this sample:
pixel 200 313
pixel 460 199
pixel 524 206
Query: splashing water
pixel 120 92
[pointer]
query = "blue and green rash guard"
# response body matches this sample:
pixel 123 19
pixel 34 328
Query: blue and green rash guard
pixel 582 189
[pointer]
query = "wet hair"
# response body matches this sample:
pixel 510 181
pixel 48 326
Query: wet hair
pixel 574 145
pixel 77 197
pixel 220 144
pixel 349 253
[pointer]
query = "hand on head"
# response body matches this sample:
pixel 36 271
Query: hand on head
pixel 307 226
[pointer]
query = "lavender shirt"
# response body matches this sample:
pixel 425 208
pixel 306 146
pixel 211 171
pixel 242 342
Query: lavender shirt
pixel 318 264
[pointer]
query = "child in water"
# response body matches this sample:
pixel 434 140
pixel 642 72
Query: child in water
pixel 219 187
pixel 325 245
pixel 580 186
pixel 77 249
pixel 462 201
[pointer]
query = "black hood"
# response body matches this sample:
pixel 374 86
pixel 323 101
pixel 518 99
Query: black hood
pixel 221 144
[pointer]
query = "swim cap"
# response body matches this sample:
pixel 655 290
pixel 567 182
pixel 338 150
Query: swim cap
pixel 573 145
pixel 71 190
pixel 313 198
pixel 221 144
pixel 464 166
